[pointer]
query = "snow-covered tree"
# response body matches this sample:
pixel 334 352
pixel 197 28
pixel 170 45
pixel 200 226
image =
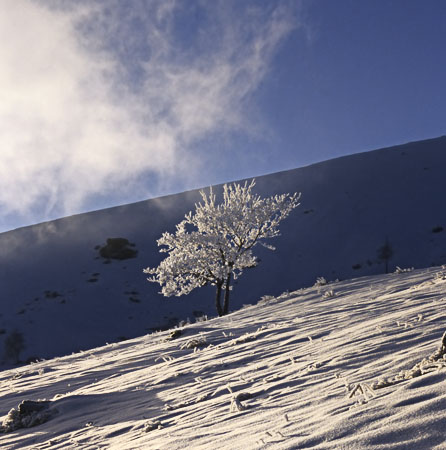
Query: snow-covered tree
pixel 214 244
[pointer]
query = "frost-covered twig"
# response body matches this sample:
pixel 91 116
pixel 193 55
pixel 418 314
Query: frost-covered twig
pixel 400 270
pixel 328 294
pixel 194 343
pixel 236 405
pixel 362 389
pixel 236 401
pixel 248 337
pixel 165 358
pixel 320 281
pixel 265 300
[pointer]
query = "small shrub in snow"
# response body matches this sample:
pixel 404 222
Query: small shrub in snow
pixel 194 343
pixel 229 334
pixel 183 323
pixel 328 294
pixel 436 361
pixel 202 318
pixel 248 337
pixel 165 358
pixel 320 281
pixel 236 405
pixel 265 300
pixel 400 270
pixel 174 335
pixel 439 276
pixel 236 400
pixel 152 425
pixel 362 389
pixel 28 414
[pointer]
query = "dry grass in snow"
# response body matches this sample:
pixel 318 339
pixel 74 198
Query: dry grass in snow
pixel 304 370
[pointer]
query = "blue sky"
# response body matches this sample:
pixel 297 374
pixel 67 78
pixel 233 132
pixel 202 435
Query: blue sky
pixel 109 102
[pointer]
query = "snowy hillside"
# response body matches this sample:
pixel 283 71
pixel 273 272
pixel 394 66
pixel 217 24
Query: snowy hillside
pixel 334 366
pixel 63 290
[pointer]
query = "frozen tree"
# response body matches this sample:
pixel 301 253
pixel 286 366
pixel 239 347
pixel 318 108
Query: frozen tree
pixel 214 244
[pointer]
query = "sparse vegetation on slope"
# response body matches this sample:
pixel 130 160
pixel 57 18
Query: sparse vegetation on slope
pixel 294 372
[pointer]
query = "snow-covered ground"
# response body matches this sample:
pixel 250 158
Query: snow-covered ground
pixel 321 367
pixel 63 296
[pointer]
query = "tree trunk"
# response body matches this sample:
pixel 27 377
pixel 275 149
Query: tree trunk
pixel 217 299
pixel 227 291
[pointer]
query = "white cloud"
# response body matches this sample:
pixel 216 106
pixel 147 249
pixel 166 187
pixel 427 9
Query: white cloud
pixel 93 94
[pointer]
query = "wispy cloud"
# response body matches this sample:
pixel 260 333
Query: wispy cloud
pixel 93 95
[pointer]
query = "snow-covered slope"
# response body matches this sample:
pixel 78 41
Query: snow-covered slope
pixel 324 367
pixel 63 296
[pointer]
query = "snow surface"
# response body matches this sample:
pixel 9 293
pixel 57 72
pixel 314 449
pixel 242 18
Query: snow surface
pixel 295 371
pixel 64 297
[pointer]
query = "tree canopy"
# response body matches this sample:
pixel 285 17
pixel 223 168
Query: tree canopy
pixel 214 244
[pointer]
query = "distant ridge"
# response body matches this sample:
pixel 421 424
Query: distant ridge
pixel 63 296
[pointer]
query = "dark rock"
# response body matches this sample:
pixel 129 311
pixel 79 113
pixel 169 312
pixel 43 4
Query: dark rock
pixel 30 406
pixel 118 248
pixel 28 414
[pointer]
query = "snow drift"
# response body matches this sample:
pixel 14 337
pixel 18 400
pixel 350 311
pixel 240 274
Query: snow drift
pixel 301 370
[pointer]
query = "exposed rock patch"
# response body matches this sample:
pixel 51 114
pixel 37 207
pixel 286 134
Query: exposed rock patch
pixel 118 248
